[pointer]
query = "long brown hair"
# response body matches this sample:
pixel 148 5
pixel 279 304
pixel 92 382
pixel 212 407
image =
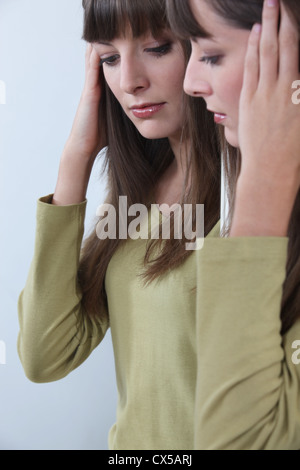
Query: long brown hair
pixel 244 14
pixel 134 164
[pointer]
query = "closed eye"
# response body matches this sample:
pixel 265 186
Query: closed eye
pixel 212 60
pixel 160 50
pixel 111 60
pixel 156 51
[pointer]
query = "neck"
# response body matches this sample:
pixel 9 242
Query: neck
pixel 170 186
pixel 180 150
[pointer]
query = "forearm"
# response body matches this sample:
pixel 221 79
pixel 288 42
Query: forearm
pixel 56 334
pixel 73 178
pixel 268 128
pixel 86 140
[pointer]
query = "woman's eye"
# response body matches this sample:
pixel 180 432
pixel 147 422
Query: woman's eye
pixel 109 60
pixel 157 51
pixel 212 60
pixel 161 50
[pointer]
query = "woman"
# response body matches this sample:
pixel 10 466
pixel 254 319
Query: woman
pixel 244 72
pixel 144 290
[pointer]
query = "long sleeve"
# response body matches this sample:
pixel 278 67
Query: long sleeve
pixel 248 388
pixel 55 336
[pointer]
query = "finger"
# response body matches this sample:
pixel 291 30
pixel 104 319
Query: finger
pixel 251 69
pixel 289 46
pixel 269 44
pixel 93 67
pixel 87 55
pixel 94 59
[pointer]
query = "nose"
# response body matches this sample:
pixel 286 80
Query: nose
pixel 134 77
pixel 195 82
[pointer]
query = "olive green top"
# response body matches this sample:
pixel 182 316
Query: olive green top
pixel 200 361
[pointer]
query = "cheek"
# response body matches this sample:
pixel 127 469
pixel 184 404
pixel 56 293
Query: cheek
pixel 232 87
pixel 112 83
pixel 173 80
pixel 171 70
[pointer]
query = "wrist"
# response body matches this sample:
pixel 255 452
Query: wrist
pixel 263 205
pixel 73 152
pixel 73 178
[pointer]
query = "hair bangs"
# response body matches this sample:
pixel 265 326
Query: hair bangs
pixel 182 20
pixel 105 20
pixel 238 13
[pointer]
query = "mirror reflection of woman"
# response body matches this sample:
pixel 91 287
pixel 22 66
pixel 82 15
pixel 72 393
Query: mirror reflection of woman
pixel 244 71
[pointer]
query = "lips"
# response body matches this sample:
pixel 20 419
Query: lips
pixel 219 118
pixel 147 110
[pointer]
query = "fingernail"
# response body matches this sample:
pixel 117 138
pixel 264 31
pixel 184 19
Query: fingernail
pixel 272 3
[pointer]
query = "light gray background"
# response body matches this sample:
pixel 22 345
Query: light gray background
pixel 42 65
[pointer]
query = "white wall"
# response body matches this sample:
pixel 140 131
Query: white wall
pixel 42 68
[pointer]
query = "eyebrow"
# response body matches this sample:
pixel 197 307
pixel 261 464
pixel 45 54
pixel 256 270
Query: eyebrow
pixel 207 38
pixel 104 43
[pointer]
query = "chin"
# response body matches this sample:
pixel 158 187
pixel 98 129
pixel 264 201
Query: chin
pixel 231 137
pixel 152 132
